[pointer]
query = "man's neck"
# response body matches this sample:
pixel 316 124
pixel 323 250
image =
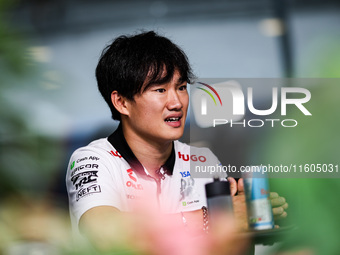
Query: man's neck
pixel 152 155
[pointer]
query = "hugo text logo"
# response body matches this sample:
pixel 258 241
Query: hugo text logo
pixel 194 158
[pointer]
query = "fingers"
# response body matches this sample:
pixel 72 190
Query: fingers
pixel 285 206
pixel 236 186
pixel 280 216
pixel 273 195
pixel 233 185
pixel 240 186
pixel 279 205
pixel 279 213
pixel 276 200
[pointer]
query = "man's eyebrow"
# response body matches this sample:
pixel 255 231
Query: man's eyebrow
pixel 151 85
pixel 163 81
pixel 155 84
pixel 181 80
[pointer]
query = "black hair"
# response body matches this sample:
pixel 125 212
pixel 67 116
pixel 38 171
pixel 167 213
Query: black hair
pixel 132 63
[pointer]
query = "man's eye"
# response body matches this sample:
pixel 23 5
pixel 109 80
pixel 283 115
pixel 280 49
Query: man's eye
pixel 160 90
pixel 183 87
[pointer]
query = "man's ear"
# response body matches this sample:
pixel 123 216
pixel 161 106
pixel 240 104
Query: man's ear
pixel 119 102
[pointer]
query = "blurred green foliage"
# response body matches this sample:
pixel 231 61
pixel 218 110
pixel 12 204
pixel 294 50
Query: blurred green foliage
pixel 12 49
pixel 28 159
pixel 313 202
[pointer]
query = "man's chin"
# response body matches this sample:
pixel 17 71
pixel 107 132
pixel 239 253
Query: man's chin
pixel 172 133
pixel 176 135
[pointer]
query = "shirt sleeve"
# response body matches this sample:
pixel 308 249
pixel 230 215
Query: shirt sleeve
pixel 90 183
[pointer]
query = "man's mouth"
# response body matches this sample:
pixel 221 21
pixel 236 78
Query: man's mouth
pixel 172 119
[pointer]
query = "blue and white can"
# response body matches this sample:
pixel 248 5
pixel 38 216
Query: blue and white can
pixel 259 209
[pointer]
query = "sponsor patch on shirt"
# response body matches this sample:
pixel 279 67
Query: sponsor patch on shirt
pixel 84 178
pixel 95 188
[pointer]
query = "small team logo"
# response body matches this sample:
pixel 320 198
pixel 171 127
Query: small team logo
pixel 72 165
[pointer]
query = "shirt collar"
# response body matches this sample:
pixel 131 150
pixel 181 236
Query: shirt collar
pixel 118 141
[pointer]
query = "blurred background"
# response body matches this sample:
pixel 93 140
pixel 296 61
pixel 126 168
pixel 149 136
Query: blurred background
pixel 49 103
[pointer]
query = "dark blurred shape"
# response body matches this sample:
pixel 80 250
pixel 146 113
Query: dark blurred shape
pixel 53 16
pixel 281 11
pixel 11 47
pixel 44 14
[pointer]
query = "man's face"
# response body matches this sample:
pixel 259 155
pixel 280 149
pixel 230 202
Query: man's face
pixel 158 114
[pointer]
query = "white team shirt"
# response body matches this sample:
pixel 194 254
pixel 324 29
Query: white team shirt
pixel 106 173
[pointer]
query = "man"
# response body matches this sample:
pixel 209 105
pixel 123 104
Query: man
pixel 142 166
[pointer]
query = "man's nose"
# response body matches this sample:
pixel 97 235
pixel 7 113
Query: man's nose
pixel 174 101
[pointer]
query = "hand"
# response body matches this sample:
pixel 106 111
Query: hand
pixel 235 186
pixel 239 203
pixel 279 205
